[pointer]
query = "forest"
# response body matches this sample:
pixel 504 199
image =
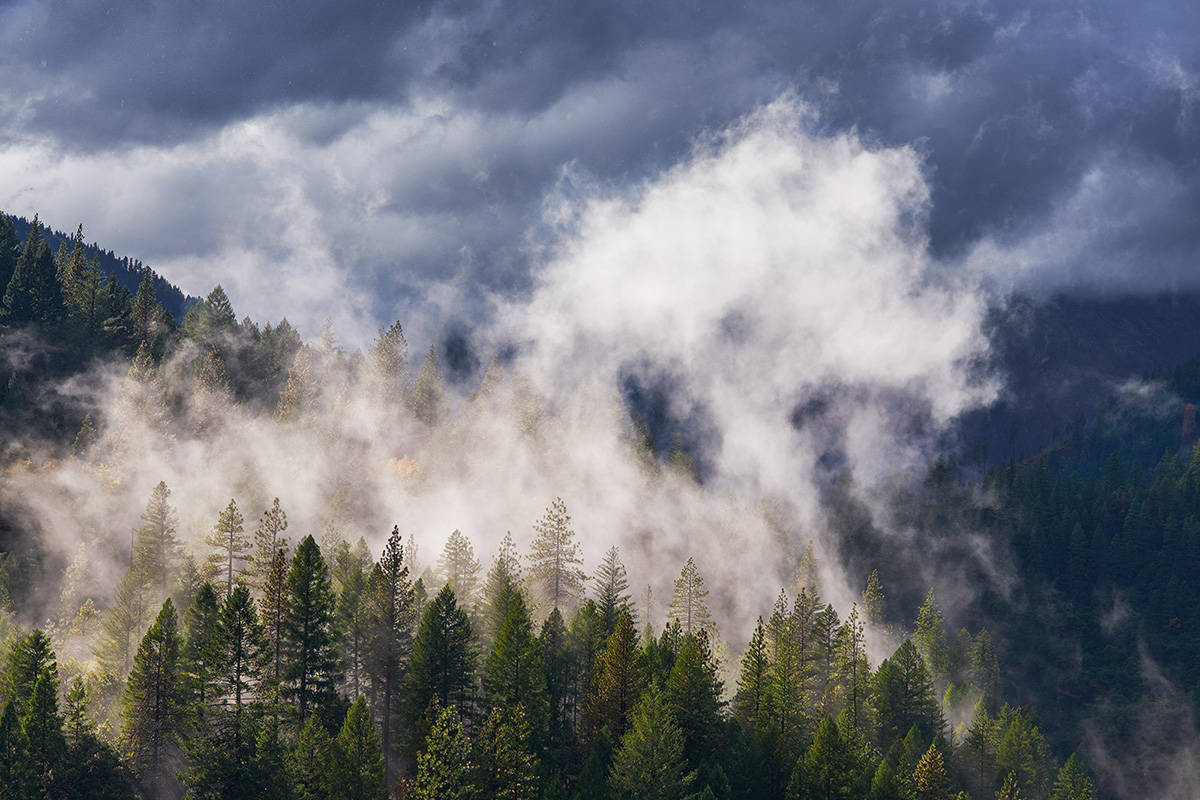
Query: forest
pixel 260 646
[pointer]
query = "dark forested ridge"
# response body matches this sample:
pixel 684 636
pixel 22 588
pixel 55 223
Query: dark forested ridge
pixel 1032 633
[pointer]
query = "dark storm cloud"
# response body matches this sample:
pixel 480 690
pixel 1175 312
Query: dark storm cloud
pixel 1060 140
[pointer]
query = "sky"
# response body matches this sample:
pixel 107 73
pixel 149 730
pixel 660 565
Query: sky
pixel 376 161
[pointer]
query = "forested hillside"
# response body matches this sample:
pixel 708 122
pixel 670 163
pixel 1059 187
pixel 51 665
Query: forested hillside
pixel 210 589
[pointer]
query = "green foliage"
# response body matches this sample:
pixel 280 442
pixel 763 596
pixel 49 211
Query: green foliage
pixel 650 765
pixel 459 569
pixel 687 603
pixel 506 768
pixel 153 705
pixel 442 669
pixel 1073 782
pixel 828 769
pixel 612 588
pixel 619 682
pixel 693 695
pixel 312 669
pixel 390 610
pixel 358 772
pixel 444 769
pixel 229 541
pixel 515 673
pixel 554 558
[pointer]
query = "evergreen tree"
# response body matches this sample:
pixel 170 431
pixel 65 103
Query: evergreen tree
pixel 272 608
pixel 268 539
pixel 428 398
pixel 352 615
pixel 241 637
pixel 155 544
pixel 507 767
pixel 28 657
pixel 202 652
pixel 903 695
pixel 1010 789
pixel 853 669
pixel 388 360
pixel 390 608
pixel 124 622
pixel 311 669
pixel 620 680
pixel 929 778
pixel 10 248
pixel 153 704
pixel 16 775
pixel 444 769
pixel 687 603
pixel 358 772
pixel 310 763
pixel 458 568
pixel 503 581
pixel 827 769
pixel 43 732
pixel 554 559
pixel 143 313
pixel 930 637
pixel 94 769
pixel 750 702
pixel 514 674
pixel 33 294
pixel 229 539
pixel 560 700
pixel 693 695
pixel 1073 782
pixel 650 765
pixel 612 588
pixel 442 668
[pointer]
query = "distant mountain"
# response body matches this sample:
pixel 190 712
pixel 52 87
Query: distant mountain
pixel 127 270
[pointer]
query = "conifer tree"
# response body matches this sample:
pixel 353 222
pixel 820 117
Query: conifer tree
pixel 153 704
pixel 649 765
pixel 693 695
pixel 823 658
pixel 903 695
pixel 358 772
pixel 268 539
pixel 560 701
pixel 503 580
pixel 352 612
pixel 929 779
pixel 619 682
pixel 930 636
pixel 230 542
pixel 16 778
pixel 33 294
pixel 43 732
pixel 124 622
pixel 272 608
pixel 388 361
pixel 458 568
pixel 241 637
pixel 750 703
pixel 612 588
pixel 554 558
pixel 442 668
pixel 202 652
pixel 444 770
pixel 310 763
pixel 28 657
pixel 390 609
pixel 94 769
pixel 515 672
pixel 1073 782
pixel 1010 789
pixel 853 669
pixel 154 542
pixel 10 248
pixel 428 398
pixel 143 313
pixel 507 769
pixel 311 669
pixel 827 768
pixel 687 603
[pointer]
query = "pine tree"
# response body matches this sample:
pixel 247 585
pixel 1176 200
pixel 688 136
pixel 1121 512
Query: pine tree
pixel 693 695
pixel 554 559
pixel 229 539
pixel 94 769
pixel 390 610
pixel 612 588
pixel 43 731
pixel 750 703
pixel 444 769
pixel 28 657
pixel 507 767
pixel 1010 789
pixel 388 360
pixel 272 609
pixel 1073 782
pixel 428 399
pixel 515 672
pixel 352 616
pixel 873 600
pixel 930 637
pixel 826 770
pixel 687 603
pixel 202 652
pixel 310 764
pixel 16 778
pixel 124 622
pixel 503 581
pixel 153 704
pixel 10 248
pixel 560 700
pixel 268 539
pixel 442 668
pixel 903 695
pixel 458 568
pixel 154 542
pixel 929 778
pixel 311 669
pixel 619 682
pixel 241 637
pixel 143 314
pixel 358 772
pixel 33 294
pixel 853 669
pixel 649 765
